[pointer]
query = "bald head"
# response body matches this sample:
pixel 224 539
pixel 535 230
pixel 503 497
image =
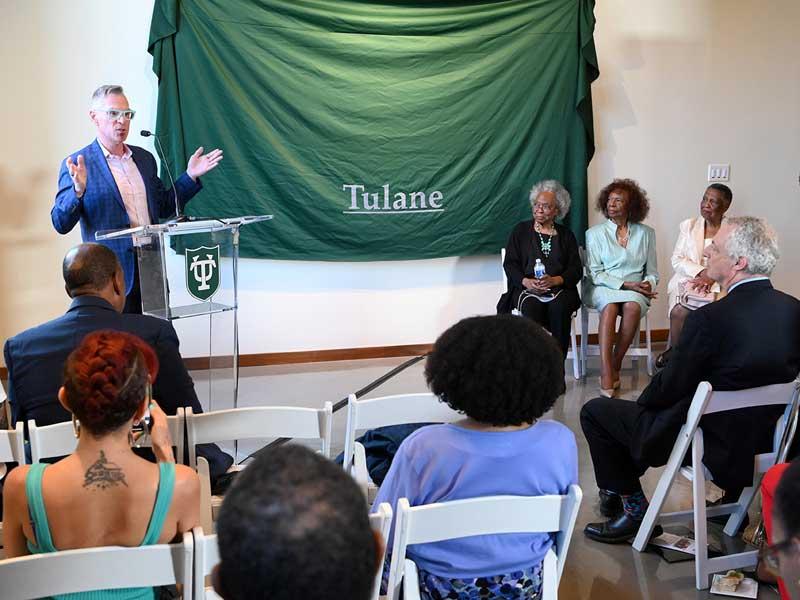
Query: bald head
pixel 93 269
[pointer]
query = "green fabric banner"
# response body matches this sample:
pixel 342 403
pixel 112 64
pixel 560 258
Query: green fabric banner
pixel 377 130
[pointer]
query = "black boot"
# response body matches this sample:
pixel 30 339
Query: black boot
pixel 610 504
pixel 616 531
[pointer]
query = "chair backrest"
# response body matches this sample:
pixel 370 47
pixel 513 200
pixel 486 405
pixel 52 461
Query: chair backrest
pixel 483 516
pixel 392 410
pixel 87 569
pixel 12 446
pixel 259 422
pixel 206 557
pixel 59 439
pixel 706 401
pixel 381 521
pixel 51 440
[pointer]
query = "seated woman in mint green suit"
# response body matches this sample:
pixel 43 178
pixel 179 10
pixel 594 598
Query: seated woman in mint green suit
pixel 622 273
pixel 103 494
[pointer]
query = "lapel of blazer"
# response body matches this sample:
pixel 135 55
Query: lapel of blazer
pixel 698 238
pixel 101 167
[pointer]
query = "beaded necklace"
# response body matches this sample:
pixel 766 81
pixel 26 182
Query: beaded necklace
pixel 546 246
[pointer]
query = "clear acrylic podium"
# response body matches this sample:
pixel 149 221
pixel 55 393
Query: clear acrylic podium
pixel 189 270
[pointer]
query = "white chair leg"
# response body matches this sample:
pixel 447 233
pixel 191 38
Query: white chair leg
pixel 637 343
pixel 737 517
pixel 584 339
pixel 649 341
pixel 699 507
pixel 662 491
pixel 576 358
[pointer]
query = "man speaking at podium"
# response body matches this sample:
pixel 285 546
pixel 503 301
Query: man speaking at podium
pixel 109 185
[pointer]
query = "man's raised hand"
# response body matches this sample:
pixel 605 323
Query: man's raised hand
pixel 200 164
pixel 77 172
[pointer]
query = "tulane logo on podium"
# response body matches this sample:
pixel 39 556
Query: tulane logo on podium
pixel 202 271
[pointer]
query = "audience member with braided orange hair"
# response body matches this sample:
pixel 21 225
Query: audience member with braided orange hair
pixel 103 494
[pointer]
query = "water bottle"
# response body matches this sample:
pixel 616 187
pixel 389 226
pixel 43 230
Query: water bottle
pixel 538 269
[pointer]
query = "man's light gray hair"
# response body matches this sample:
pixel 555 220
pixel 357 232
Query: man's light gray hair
pixel 99 95
pixel 563 199
pixel 752 238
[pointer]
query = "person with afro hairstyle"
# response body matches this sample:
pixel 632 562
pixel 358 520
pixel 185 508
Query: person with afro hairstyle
pixel 622 273
pixel 503 372
pixel 295 525
pixel 103 494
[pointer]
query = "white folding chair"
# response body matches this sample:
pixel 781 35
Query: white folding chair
pixel 706 402
pixel 59 439
pixel 572 353
pixel 381 521
pixel 254 422
pixel 483 516
pixel 206 557
pixel 398 409
pixel 88 569
pixel 634 351
pixel 12 449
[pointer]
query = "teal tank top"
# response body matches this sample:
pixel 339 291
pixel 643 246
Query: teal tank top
pixel 41 528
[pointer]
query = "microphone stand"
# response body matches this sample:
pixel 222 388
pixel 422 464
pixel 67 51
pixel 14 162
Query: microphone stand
pixel 179 218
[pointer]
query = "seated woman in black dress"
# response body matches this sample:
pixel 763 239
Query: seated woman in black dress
pixel 549 300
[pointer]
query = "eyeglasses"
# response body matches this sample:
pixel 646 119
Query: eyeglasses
pixel 544 207
pixel 114 114
pixel 771 555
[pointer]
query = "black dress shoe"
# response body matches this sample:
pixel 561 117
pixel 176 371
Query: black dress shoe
pixel 610 504
pixel 616 531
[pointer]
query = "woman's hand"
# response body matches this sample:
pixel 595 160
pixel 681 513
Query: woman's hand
pixel 642 287
pixel 550 281
pixel 159 434
pixel 701 283
pixel 528 283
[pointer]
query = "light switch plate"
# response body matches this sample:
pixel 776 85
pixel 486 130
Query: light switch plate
pixel 719 172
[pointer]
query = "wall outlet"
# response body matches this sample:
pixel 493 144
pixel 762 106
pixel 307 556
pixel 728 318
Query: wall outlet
pixel 718 173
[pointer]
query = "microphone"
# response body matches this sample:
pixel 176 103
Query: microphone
pixel 144 133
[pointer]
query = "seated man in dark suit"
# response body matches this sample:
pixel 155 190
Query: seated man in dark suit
pixel 749 338
pixel 35 358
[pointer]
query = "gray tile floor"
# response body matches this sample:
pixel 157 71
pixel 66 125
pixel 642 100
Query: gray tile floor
pixel 593 571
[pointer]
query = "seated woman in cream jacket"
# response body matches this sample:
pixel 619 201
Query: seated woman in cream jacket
pixel 687 258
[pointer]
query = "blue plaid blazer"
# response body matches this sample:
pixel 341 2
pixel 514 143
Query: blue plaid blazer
pixel 101 206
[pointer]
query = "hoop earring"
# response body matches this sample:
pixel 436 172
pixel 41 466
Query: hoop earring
pixel 76 427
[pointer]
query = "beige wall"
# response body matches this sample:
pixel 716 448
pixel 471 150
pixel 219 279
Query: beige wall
pixel 686 83
pixel 683 83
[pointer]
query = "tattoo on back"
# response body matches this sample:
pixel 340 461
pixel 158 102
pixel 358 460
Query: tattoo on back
pixel 103 474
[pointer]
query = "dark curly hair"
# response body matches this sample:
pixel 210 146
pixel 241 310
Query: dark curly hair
pixel 638 202
pixel 105 379
pixel 501 370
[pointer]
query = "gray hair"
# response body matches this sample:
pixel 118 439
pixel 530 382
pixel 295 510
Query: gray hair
pixel 754 240
pixel 100 94
pixel 563 199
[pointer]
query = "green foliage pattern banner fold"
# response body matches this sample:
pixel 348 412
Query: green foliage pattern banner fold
pixel 377 130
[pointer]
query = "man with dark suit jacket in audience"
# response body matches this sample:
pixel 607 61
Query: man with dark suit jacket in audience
pixel 35 358
pixel 749 338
